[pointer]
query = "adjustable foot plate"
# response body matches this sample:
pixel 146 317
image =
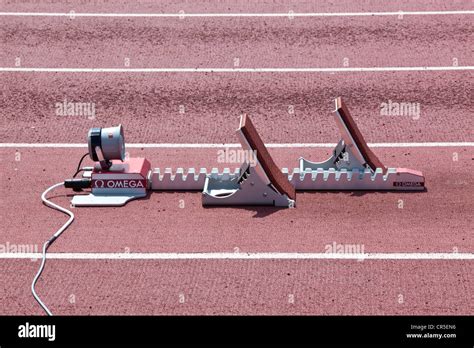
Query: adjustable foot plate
pixel 246 189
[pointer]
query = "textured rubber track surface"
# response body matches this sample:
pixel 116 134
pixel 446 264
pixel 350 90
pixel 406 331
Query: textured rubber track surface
pixel 241 287
pixel 148 105
pixel 434 221
pixel 204 108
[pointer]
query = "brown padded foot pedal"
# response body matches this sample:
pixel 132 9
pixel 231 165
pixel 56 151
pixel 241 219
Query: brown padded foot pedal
pixel 359 140
pixel 277 178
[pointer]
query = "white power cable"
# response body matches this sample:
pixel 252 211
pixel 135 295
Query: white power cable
pixel 50 241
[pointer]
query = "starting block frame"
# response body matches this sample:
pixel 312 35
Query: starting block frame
pixel 352 166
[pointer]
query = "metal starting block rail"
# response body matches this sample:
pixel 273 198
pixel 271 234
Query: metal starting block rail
pixel 352 166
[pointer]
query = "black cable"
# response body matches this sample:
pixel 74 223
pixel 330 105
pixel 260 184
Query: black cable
pixel 79 165
pixel 75 174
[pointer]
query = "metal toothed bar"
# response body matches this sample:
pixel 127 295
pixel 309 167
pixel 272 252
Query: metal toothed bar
pixel 306 180
pixel 186 179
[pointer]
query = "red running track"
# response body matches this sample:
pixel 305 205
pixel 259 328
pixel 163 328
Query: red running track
pixel 235 6
pixel 435 221
pixel 439 220
pixel 241 287
pixel 148 105
pixel 256 42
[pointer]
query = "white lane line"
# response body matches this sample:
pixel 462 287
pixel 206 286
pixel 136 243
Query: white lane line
pixel 289 14
pixel 238 70
pixel 211 146
pixel 242 256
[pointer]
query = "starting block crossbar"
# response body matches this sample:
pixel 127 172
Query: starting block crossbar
pixel 307 180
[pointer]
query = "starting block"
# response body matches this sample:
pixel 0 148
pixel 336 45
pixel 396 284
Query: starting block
pixel 352 166
pixel 258 183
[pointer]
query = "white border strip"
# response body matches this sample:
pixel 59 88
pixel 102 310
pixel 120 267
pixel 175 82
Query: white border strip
pixel 242 256
pixel 237 70
pixel 211 146
pixel 289 14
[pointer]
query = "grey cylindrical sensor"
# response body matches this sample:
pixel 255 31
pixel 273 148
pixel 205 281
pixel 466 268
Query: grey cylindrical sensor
pixel 113 143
